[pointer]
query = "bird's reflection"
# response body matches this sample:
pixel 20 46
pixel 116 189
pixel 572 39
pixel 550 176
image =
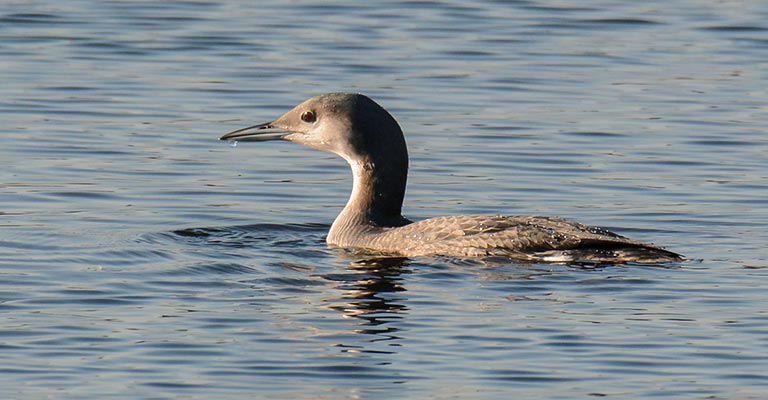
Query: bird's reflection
pixel 372 292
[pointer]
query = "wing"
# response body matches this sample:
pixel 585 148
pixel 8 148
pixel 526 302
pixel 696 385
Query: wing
pixel 524 237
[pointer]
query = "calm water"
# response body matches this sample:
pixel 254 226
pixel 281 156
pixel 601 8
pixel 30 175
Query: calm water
pixel 141 258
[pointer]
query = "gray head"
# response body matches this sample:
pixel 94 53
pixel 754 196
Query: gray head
pixel 357 129
pixel 348 124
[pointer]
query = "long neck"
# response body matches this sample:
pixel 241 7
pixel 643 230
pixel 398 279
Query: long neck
pixel 376 201
pixel 375 149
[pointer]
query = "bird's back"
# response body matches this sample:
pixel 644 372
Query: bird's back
pixel 520 237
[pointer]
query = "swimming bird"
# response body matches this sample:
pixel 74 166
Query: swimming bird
pixel 364 134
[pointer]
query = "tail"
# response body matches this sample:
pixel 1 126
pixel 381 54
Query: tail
pixel 611 255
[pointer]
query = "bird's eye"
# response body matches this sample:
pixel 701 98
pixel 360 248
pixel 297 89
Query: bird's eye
pixel 308 116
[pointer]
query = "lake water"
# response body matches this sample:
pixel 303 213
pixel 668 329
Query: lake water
pixel 141 258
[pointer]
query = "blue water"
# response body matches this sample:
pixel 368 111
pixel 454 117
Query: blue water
pixel 141 258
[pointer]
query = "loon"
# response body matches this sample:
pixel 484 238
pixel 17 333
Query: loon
pixel 364 134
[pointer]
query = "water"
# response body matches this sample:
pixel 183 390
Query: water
pixel 142 258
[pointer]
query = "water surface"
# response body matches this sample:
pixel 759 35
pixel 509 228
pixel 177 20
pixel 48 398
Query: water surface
pixel 141 258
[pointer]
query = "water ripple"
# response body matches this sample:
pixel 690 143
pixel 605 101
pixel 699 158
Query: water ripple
pixel 138 249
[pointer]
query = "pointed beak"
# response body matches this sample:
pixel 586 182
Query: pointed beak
pixel 257 133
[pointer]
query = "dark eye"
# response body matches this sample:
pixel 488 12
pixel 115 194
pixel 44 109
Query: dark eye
pixel 308 116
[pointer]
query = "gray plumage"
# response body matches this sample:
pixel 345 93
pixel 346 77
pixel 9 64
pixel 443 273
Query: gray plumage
pixel 370 140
